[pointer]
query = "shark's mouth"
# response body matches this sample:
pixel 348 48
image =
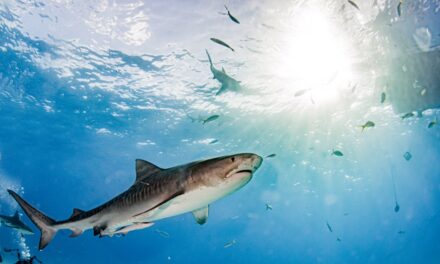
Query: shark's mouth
pixel 241 171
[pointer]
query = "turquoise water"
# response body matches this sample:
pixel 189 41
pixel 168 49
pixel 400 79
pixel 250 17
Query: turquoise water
pixel 87 87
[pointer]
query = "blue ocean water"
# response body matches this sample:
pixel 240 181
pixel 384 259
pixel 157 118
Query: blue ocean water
pixel 87 87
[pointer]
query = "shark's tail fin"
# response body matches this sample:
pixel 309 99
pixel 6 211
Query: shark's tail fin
pixel 43 222
pixel 209 57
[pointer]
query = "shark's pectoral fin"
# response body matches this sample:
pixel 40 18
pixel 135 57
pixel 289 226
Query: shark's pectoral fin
pixel 76 232
pixel 145 169
pixel 76 212
pixel 201 215
pixel 161 203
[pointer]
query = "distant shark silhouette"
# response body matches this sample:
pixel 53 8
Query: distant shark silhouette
pixel 15 223
pixel 228 83
pixel 156 194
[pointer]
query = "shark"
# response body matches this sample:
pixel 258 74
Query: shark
pixel 228 83
pixel 15 223
pixel 157 193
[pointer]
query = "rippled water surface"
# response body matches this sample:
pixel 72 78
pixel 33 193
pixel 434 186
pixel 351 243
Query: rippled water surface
pixel 87 87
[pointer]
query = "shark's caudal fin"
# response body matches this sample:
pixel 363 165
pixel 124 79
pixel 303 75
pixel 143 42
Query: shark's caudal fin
pixel 43 222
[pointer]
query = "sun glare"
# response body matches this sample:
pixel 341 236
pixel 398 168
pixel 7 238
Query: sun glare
pixel 315 58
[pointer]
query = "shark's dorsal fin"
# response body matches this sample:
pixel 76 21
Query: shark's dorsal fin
pixel 16 215
pixel 76 212
pixel 201 215
pixel 145 169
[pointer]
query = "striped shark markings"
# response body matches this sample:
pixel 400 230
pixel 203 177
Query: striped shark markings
pixel 157 193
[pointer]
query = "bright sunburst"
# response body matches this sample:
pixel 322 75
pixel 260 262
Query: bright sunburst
pixel 315 58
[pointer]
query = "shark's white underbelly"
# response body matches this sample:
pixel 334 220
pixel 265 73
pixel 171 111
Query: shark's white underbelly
pixel 190 201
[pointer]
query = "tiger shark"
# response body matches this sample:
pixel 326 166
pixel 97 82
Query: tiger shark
pixel 15 223
pixel 228 83
pixel 157 193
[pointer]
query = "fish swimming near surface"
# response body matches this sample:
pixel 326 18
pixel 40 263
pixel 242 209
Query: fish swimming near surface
pixel 273 155
pixel 231 16
pixel 399 8
pixel 368 124
pixel 432 123
pixel 213 141
pixel 329 227
pixel 401 232
pixel 301 92
pixel 210 119
pixel 407 115
pixel 15 223
pixel 268 207
pixel 383 97
pixel 228 83
pixel 353 4
pixel 221 42
pixel 407 156
pixel 337 153
pixel 163 233
pixel 156 194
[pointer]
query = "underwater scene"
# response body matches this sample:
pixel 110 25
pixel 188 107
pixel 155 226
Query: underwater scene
pixel 288 131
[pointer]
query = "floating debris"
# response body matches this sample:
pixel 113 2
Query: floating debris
pixel 213 141
pixel 163 233
pixel 218 41
pixel 337 153
pixel 210 119
pixel 329 227
pixel 230 244
pixel 407 115
pixel 273 155
pixel 368 124
pixel 353 4
pixel 432 123
pixel 268 207
pixel 383 97
pixel 401 232
pixel 399 8
pixel 231 16
pixel 407 155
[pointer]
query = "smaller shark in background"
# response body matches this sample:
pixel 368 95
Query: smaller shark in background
pixel 15 223
pixel 228 83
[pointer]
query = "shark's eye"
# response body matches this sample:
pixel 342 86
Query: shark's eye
pixel 233 159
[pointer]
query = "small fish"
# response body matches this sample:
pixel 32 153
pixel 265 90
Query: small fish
pixel 273 155
pixel 218 41
pixel 210 119
pixel 337 153
pixel 396 207
pixel 401 232
pixel 345 214
pixel 407 155
pixel 338 239
pixel 407 115
pixel 432 123
pixel 213 141
pixel 353 4
pixel 268 207
pixel 163 233
pixel 329 227
pixel 230 244
pixel 300 92
pixel 399 8
pixel 231 16
pixel 368 124
pixel 383 97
